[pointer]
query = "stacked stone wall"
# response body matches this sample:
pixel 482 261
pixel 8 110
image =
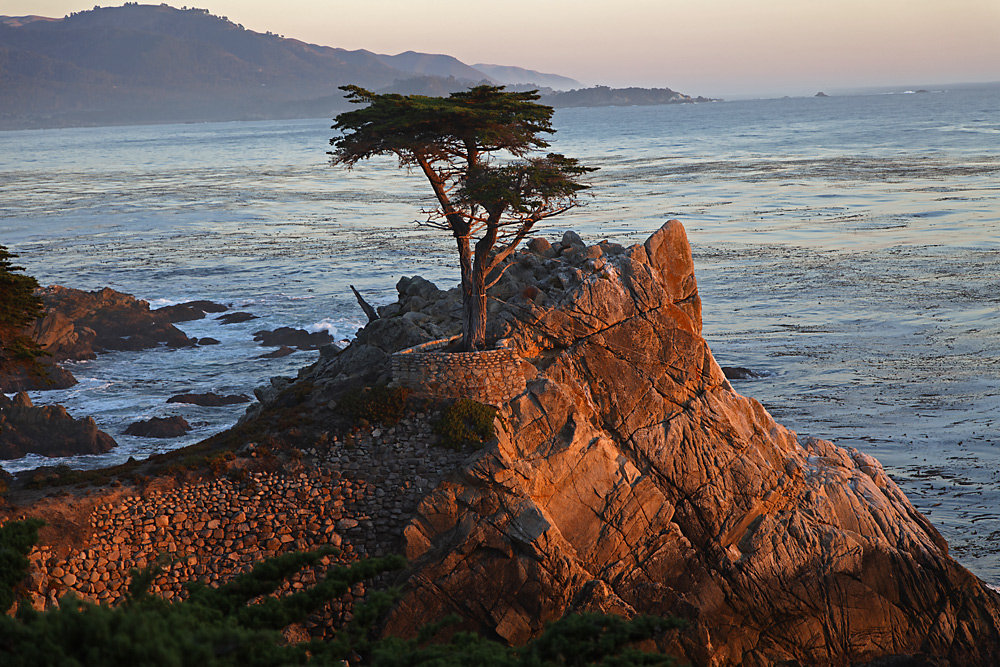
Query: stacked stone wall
pixel 489 376
pixel 355 495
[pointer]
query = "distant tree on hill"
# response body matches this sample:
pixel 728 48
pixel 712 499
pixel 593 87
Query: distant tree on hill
pixel 460 142
pixel 19 308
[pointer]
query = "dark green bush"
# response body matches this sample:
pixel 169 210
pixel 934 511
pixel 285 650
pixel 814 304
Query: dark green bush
pixel 378 404
pixel 19 308
pixel 16 540
pixel 466 422
pixel 217 626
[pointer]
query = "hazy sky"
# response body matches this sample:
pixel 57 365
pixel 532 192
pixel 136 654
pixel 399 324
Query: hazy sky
pixel 716 48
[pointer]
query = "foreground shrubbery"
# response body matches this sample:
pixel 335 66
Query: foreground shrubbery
pixel 19 308
pixel 234 625
pixel 378 404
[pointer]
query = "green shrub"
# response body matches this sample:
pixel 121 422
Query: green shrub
pixel 16 540
pixel 378 404
pixel 466 422
pixel 217 627
pixel 19 308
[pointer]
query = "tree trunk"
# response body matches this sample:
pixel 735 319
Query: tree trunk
pixel 469 328
pixel 474 317
pixel 474 301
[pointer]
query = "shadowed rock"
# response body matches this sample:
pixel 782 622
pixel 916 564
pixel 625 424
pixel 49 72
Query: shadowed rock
pixel 299 338
pixel 738 373
pixel 236 318
pixel 210 399
pixel 79 325
pixel 282 351
pixel 159 427
pixel 47 430
pixel 191 310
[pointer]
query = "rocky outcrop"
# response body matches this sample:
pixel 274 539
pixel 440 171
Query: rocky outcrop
pixel 43 374
pixel 631 478
pixel 47 430
pixel 79 325
pixel 159 427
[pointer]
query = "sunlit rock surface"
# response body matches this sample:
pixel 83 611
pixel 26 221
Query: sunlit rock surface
pixel 632 478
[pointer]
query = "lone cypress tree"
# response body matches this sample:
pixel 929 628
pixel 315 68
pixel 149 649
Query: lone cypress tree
pixel 488 203
pixel 19 308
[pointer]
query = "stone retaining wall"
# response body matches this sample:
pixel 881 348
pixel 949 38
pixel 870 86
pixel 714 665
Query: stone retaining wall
pixel 355 495
pixel 490 376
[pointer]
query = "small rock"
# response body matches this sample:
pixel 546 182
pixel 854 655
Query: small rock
pixel 209 399
pixel 738 373
pixel 282 351
pixel 159 427
pixel 236 318
pixel 572 239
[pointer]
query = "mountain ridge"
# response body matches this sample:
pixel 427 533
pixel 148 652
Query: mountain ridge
pixel 155 63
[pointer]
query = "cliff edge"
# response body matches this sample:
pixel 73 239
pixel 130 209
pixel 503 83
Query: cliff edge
pixel 632 478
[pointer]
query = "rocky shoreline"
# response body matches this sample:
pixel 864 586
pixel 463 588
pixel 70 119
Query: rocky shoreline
pixel 628 477
pixel 79 325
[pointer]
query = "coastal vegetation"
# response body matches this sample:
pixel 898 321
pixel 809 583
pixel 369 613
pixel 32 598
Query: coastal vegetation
pixel 19 308
pixel 466 421
pixel 489 205
pixel 240 623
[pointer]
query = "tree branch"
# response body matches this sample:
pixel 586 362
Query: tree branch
pixel 365 306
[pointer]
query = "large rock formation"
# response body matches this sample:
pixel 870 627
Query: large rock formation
pixel 632 478
pixel 79 325
pixel 47 430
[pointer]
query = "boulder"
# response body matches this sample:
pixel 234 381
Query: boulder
pixel 79 325
pixel 236 318
pixel 739 373
pixel 159 427
pixel 191 310
pixel 299 338
pixel 47 430
pixel 282 351
pixel 46 374
pixel 631 478
pixel 210 399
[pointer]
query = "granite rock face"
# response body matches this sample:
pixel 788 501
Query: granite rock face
pixel 47 430
pixel 631 478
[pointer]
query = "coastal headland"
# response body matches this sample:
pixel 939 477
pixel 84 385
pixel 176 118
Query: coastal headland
pixel 627 477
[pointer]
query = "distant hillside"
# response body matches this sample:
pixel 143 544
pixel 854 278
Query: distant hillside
pixel 519 75
pixel 154 63
pixel 435 65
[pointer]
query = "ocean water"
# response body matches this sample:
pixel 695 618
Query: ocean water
pixel 847 250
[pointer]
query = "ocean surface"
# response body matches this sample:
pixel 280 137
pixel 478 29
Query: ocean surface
pixel 847 250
